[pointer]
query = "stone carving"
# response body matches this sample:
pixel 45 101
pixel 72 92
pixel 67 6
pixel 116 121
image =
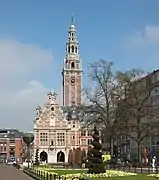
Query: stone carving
pixel 38 111
pixel 52 97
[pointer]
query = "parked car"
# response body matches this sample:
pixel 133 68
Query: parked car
pixel 27 163
pixel 11 162
pixel 117 162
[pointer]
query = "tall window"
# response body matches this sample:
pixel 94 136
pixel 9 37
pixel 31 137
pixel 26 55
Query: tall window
pixel 83 133
pixel 72 49
pixel 89 133
pixel 43 139
pixel 72 65
pixel 5 148
pixel 73 140
pixel 89 141
pixel 51 143
pixel 60 139
pixel 76 49
pixel 83 141
pixel 68 49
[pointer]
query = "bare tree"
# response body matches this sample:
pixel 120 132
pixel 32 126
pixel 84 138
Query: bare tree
pixel 120 101
pixel 100 93
pixel 135 111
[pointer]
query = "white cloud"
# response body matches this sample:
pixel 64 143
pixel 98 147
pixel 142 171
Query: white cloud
pixel 20 87
pixel 149 35
pixel 142 47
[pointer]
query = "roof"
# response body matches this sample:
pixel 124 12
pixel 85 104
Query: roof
pixel 10 133
pixel 76 113
pixel 72 112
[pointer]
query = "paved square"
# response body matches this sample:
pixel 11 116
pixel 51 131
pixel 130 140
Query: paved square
pixel 10 173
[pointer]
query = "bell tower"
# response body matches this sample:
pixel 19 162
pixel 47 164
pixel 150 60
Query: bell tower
pixel 72 70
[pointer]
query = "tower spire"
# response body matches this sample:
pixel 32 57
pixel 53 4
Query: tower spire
pixel 72 70
pixel 72 53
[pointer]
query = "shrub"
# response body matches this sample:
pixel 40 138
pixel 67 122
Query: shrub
pixel 37 157
pixel 70 157
pixel 95 161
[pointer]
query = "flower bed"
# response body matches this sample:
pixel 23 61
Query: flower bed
pixel 72 173
pixel 102 175
pixel 154 175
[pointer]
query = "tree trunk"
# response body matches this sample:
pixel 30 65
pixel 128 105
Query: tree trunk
pixel 138 152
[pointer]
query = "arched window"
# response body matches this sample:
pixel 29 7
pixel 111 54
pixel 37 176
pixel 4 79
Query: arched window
pixel 72 34
pixel 76 49
pixel 72 49
pixel 68 49
pixel 72 65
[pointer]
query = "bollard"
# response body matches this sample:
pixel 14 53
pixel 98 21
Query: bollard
pixel 47 176
pixel 135 169
pixel 50 177
pixel 141 169
pixel 54 177
pixel 156 170
pixel 124 168
pixel 149 169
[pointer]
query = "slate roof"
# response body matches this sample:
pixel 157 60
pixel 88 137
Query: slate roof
pixel 73 113
pixel 76 113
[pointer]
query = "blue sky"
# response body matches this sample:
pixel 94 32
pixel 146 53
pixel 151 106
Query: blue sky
pixel 103 29
pixel 33 36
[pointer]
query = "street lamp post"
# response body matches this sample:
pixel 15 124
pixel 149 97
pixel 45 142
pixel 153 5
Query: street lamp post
pixel 28 138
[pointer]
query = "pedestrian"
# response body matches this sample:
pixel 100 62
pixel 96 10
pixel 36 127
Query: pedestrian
pixel 153 163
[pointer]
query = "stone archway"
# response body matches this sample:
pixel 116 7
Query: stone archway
pixel 60 156
pixel 43 156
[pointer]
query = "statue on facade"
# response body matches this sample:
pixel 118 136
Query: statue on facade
pixel 52 97
pixel 38 111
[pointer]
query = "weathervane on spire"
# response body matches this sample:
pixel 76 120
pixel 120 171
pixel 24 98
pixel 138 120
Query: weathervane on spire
pixel 72 19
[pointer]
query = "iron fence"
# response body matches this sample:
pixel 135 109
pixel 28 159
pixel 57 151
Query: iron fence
pixel 42 175
pixel 140 170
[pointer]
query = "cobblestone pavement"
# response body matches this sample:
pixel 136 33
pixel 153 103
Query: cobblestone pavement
pixel 10 173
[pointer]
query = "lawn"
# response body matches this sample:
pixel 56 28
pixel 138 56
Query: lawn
pixel 138 177
pixel 80 171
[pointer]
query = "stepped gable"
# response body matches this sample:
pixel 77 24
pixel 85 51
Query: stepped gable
pixel 51 115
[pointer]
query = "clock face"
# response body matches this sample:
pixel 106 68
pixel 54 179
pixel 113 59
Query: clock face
pixel 72 80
